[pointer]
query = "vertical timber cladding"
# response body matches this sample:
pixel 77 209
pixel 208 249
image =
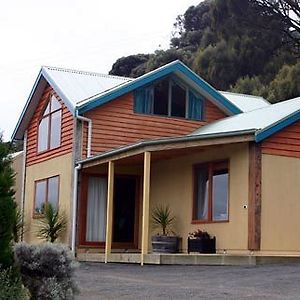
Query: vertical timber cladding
pixel 254 202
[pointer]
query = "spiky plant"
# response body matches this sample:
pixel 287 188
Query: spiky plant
pixel 162 218
pixel 52 225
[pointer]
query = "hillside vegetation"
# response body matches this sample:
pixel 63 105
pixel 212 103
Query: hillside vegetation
pixel 235 45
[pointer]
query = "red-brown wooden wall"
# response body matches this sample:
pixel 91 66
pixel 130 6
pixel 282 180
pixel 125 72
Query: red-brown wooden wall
pixel 32 156
pixel 284 143
pixel 115 124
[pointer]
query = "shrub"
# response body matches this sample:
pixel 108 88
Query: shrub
pixel 47 270
pixel 11 287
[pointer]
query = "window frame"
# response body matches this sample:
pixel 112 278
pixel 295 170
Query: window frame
pixel 49 116
pixel 41 215
pixel 211 166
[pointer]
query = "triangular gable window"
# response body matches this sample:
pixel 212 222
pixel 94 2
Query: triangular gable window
pixel 49 132
pixel 169 97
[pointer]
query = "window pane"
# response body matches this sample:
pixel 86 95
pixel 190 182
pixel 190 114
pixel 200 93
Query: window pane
pixel 55 129
pixel 43 135
pixel 201 208
pixel 55 105
pixel 220 195
pixel 161 92
pixel 178 101
pixel 47 110
pixel 53 190
pixel 40 196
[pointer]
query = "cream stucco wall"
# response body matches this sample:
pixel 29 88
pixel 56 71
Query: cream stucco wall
pixel 280 220
pixel 172 183
pixel 61 166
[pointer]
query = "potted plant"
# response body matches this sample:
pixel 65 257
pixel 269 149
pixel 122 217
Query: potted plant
pixel 165 241
pixel 201 241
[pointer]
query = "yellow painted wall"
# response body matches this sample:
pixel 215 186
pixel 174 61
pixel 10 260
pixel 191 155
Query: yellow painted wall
pixel 61 166
pixel 280 223
pixel 172 183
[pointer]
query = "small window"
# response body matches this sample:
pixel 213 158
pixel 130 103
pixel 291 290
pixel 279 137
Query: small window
pixel 211 183
pixel 46 191
pixel 49 134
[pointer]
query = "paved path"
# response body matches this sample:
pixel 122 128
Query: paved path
pixel 121 281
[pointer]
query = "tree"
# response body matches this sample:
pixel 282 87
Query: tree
pixel 288 11
pixel 7 206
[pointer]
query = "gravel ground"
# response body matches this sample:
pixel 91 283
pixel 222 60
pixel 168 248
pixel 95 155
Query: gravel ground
pixel 122 281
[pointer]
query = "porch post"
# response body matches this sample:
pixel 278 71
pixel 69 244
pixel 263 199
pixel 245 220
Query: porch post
pixel 109 211
pixel 146 194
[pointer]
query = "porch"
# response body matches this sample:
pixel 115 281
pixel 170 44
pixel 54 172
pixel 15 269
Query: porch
pixel 163 174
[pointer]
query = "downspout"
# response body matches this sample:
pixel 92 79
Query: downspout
pixel 74 212
pixel 89 143
pixel 23 182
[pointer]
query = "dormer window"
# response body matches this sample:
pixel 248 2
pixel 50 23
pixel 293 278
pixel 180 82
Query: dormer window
pixel 49 133
pixel 168 97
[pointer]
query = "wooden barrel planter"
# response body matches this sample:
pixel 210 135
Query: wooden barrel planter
pixel 202 245
pixel 165 244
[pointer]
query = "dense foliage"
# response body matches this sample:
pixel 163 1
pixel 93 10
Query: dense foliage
pixel 235 45
pixel 47 270
pixel 7 206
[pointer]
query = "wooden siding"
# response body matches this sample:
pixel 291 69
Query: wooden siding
pixel 284 143
pixel 67 120
pixel 115 125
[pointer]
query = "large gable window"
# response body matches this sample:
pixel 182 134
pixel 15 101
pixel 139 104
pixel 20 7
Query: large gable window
pixel 211 182
pixel 168 97
pixel 49 134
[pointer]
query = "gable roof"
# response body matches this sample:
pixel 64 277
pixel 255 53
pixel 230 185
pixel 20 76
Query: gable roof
pixel 175 67
pixel 263 121
pixel 83 91
pixel 72 86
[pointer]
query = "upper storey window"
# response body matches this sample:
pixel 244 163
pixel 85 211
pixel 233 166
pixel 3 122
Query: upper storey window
pixel 49 134
pixel 170 98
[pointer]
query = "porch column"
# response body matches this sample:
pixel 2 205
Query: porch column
pixel 146 194
pixel 109 213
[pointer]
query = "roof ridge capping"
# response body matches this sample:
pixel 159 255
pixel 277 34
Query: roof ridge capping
pixel 89 73
pixel 173 67
pixel 245 95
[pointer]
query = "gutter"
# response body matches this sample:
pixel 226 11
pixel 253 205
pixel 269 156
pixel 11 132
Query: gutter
pixel 74 211
pixel 23 183
pixel 188 138
pixel 90 125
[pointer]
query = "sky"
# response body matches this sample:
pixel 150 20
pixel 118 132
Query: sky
pixel 87 35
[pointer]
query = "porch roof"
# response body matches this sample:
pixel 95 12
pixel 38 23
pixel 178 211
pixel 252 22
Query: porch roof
pixel 177 143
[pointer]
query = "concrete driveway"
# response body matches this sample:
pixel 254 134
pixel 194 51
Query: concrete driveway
pixel 121 281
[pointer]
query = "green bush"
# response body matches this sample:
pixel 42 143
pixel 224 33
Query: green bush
pixel 11 287
pixel 47 270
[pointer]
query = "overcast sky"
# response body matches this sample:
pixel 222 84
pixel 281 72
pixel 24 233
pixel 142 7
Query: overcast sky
pixel 86 35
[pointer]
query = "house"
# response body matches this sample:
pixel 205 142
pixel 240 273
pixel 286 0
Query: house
pixel 108 149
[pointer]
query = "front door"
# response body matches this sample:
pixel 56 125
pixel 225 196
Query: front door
pixel 125 211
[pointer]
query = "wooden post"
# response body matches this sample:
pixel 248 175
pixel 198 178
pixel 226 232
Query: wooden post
pixel 109 210
pixel 254 205
pixel 146 194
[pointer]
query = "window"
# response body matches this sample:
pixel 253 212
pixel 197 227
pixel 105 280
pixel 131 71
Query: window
pixel 46 191
pixel 49 134
pixel 211 182
pixel 169 98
